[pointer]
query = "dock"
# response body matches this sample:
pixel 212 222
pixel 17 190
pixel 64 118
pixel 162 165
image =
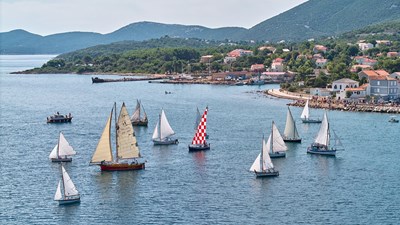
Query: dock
pixel 100 80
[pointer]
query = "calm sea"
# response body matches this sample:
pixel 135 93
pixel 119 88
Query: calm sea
pixel 360 186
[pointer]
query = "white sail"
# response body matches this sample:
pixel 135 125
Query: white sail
pixel 323 133
pixel 306 113
pixel 103 149
pixel 267 163
pixel 69 187
pixel 144 113
pixel 58 195
pixel 126 140
pixel 256 164
pixel 64 148
pixel 290 127
pixel 53 153
pixel 278 144
pixel 163 130
pixel 136 114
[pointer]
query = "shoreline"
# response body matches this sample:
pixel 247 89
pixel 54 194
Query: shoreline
pixel 299 100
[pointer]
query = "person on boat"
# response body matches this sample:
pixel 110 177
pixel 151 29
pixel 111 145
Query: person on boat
pixel 69 115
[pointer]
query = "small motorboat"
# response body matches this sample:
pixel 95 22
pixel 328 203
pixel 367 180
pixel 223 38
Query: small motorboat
pixel 393 119
pixel 58 118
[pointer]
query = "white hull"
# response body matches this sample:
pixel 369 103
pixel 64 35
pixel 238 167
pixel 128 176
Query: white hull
pixel 166 142
pixel 321 152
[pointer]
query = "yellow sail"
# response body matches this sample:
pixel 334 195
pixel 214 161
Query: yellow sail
pixel 103 150
pixel 126 140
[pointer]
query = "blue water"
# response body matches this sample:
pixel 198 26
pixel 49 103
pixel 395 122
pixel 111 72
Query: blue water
pixel 360 186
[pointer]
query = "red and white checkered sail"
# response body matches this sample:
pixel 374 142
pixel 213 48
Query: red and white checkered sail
pixel 200 135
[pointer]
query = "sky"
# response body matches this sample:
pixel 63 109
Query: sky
pixel 46 17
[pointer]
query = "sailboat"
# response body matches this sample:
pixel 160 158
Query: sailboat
pixel 62 150
pixel 290 134
pixel 127 151
pixel 305 115
pixel 276 146
pixel 163 131
pixel 321 143
pixel 263 166
pixel 137 119
pixel 66 191
pixel 199 142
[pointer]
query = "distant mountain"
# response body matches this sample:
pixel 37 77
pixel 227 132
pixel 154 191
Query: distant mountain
pixel 312 19
pixel 316 18
pixel 23 42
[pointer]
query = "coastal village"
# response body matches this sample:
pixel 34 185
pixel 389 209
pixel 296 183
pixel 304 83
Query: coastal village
pixel 371 85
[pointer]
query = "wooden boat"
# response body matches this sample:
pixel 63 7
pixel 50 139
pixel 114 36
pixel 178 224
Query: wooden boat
pixel 276 146
pixel 62 150
pixel 66 191
pixel 305 115
pixel 290 134
pixel 263 166
pixel 321 143
pixel 127 151
pixel 163 131
pixel 57 118
pixel 199 142
pixel 137 119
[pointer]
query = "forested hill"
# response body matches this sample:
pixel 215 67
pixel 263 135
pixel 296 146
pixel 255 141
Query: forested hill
pixel 316 18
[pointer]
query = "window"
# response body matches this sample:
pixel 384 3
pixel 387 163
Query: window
pixel 378 83
pixel 377 90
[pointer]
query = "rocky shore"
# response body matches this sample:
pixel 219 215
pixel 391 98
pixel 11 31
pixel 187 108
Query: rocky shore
pixel 326 103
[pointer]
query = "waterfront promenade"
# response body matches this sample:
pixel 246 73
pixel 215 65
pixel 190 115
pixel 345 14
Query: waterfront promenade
pixel 332 104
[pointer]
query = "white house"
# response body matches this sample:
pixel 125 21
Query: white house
pixel 321 63
pixel 342 84
pixel 365 46
pixel 323 92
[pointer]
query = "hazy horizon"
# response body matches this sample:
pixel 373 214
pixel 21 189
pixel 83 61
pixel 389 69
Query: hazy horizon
pixel 45 17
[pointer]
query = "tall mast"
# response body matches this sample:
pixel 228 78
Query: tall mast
pixel 116 127
pixel 272 137
pixel 262 154
pixel 159 125
pixel 58 145
pixel 62 177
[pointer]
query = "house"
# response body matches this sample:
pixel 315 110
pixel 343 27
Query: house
pixel 319 48
pixel 317 56
pixel 395 75
pixel 277 66
pixel 370 62
pixel 237 75
pixel 239 53
pixel 321 63
pixel 320 92
pixel 392 54
pixel 383 43
pixel 365 46
pixel 285 50
pixel 206 58
pixel 360 59
pixel 381 84
pixel 257 68
pixel 270 48
pixel 342 84
pixel 356 93
pixel 357 68
pixel 229 60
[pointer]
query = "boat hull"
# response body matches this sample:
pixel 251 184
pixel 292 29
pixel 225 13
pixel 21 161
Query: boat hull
pixel 292 140
pixel 69 201
pixel 121 166
pixel 61 159
pixel 140 123
pixel 312 150
pixel 166 142
pixel 193 148
pixel 277 154
pixel 65 120
pixel 267 174
pixel 311 120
